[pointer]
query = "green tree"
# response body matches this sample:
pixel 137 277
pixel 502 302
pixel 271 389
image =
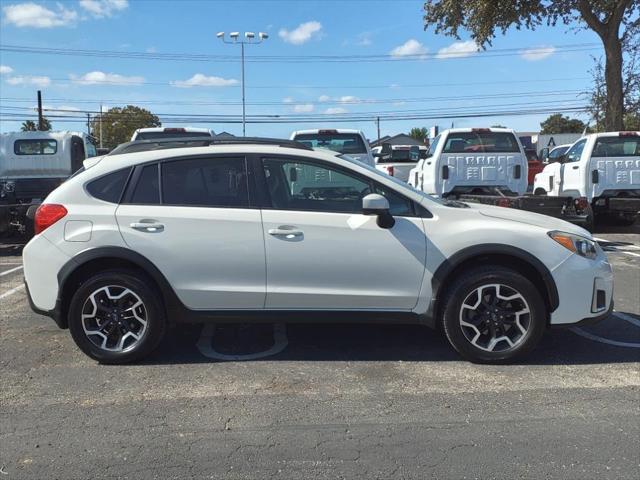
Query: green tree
pixel 630 85
pixel 558 123
pixel 612 20
pixel 419 133
pixel 31 126
pixel 119 123
pixel 498 126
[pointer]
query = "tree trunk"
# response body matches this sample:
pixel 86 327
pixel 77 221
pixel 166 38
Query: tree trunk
pixel 613 78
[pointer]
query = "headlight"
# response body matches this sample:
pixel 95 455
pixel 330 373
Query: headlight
pixel 577 244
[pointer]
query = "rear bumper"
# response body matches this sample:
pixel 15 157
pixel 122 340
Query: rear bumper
pixel 54 314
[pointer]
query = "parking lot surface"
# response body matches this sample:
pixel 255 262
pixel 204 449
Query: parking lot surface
pixel 322 401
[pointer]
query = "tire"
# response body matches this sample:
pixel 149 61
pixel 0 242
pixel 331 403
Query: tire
pixel 126 299
pixel 540 191
pixel 457 316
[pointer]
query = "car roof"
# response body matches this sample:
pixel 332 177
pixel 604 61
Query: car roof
pixel 471 129
pixel 318 130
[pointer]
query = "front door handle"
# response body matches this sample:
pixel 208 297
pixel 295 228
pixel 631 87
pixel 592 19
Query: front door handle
pixel 575 167
pixel 149 226
pixel 284 231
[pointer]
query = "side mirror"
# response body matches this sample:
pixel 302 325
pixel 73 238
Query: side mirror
pixel 544 155
pixel 375 204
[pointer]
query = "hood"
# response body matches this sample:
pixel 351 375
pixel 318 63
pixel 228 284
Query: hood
pixel 530 218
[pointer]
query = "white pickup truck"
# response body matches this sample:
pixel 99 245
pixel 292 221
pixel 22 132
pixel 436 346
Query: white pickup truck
pixel 472 160
pixel 348 142
pixel 603 168
pixel 400 160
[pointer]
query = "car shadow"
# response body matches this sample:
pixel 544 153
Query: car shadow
pixel 376 342
pixel 608 226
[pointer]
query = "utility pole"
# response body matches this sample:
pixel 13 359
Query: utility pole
pixel 100 124
pixel 378 124
pixel 40 117
pixel 88 123
pixel 250 40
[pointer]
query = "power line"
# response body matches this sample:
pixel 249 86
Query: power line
pixel 191 57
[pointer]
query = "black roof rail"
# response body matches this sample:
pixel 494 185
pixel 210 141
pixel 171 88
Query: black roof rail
pixel 183 142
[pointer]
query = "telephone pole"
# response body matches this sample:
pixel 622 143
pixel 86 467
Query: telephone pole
pixel 40 117
pixel 378 124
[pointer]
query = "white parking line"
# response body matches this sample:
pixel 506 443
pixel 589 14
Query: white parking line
pixel 628 318
pixel 11 292
pixel 7 272
pixel 629 253
pixel 205 344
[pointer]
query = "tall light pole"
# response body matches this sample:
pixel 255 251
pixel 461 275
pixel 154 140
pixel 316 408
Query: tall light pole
pixel 249 39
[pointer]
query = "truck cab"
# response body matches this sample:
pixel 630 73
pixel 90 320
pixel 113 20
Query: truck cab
pixel 351 143
pixel 472 160
pixel 604 168
pixel 32 165
pixel 154 133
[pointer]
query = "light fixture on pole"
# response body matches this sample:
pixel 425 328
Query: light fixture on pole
pixel 249 39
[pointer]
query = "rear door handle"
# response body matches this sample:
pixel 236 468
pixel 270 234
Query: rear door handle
pixel 149 226
pixel 287 232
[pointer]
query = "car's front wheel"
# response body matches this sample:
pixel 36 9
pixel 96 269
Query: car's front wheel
pixel 116 317
pixel 493 315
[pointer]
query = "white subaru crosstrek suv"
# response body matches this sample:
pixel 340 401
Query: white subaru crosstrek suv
pixel 275 231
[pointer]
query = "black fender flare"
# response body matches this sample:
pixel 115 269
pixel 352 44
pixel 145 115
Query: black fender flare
pixel 450 264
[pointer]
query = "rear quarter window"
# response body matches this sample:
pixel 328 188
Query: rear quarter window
pixel 481 142
pixel 109 187
pixel 617 147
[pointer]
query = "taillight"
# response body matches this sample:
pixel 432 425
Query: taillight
pixel 46 215
pixel 389 171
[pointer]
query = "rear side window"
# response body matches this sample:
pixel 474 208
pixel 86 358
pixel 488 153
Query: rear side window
pixel 147 189
pixel 617 147
pixel 109 187
pixel 481 142
pixel 207 182
pixel 35 147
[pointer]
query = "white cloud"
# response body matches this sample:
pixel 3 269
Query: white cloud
pixel 30 14
pixel 5 69
pixel 303 108
pixel 302 34
pixel 324 98
pixel 287 100
pixel 97 78
pixel 364 39
pixel 410 47
pixel 458 50
pixel 538 53
pixel 348 99
pixel 201 80
pixel 104 8
pixel 335 110
pixel 36 81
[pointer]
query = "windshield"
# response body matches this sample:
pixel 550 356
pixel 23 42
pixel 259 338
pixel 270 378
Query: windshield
pixel 481 142
pixel 170 134
pixel 349 143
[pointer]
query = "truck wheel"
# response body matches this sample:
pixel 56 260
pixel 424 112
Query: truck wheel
pixel 493 315
pixel 540 191
pixel 117 317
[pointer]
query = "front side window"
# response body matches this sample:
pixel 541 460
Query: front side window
pixel 206 182
pixel 432 147
pixel 109 187
pixel 481 142
pixel 399 206
pixel 617 147
pixel 310 186
pixel 344 143
pixel 574 153
pixel 35 147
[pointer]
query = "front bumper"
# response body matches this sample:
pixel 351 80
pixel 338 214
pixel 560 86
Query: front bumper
pixel 585 290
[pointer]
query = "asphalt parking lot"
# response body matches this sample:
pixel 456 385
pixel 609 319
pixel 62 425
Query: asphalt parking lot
pixel 322 401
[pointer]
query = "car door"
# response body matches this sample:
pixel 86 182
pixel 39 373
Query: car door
pixel 322 253
pixel 573 170
pixel 193 219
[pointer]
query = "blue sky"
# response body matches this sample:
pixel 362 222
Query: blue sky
pixel 432 81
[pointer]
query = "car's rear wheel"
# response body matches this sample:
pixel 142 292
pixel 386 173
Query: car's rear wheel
pixel 493 315
pixel 117 317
